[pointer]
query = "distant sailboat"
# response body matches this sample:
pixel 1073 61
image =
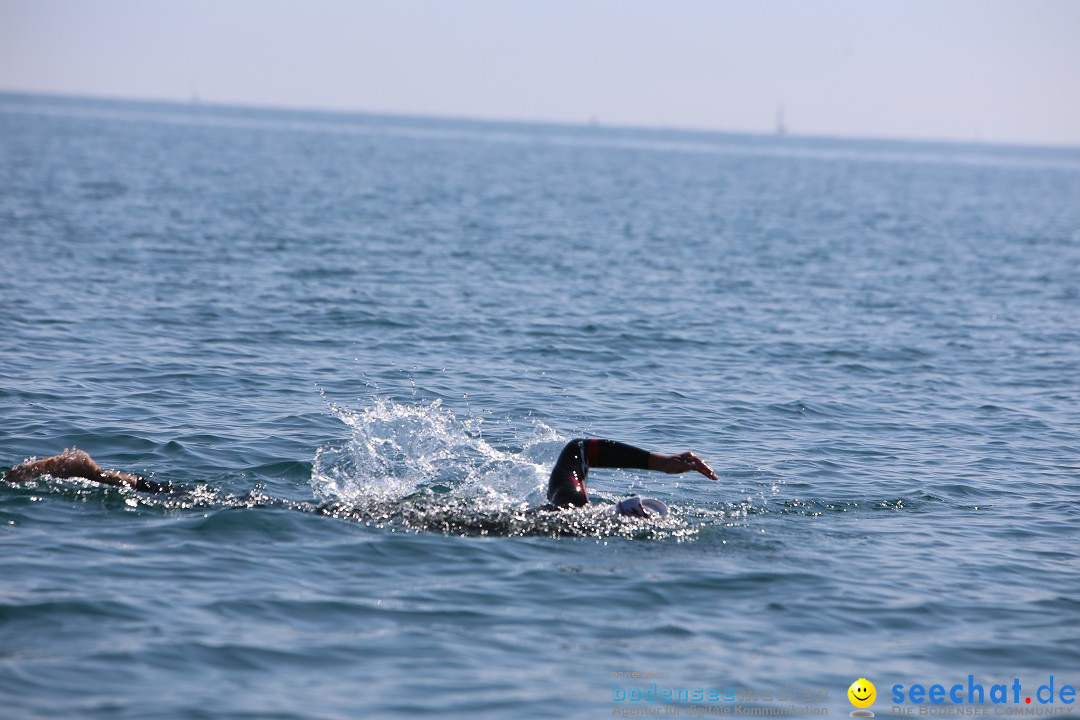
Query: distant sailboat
pixel 781 129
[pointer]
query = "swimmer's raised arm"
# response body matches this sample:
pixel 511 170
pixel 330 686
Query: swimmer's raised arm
pixel 566 486
pixel 615 454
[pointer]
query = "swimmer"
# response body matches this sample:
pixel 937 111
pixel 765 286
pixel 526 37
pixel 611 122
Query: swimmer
pixel 75 463
pixel 566 488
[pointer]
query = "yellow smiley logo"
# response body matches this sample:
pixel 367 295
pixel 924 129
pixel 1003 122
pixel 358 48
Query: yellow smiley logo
pixel 862 693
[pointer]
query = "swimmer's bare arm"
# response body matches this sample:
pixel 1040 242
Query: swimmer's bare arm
pixel 684 462
pixel 76 463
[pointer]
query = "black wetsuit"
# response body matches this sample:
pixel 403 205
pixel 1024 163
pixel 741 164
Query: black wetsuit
pixel 567 484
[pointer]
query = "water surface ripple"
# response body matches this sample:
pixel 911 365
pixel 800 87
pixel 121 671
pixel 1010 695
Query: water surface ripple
pixel 354 345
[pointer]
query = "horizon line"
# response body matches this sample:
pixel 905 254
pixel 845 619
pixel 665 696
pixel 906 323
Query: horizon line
pixel 592 123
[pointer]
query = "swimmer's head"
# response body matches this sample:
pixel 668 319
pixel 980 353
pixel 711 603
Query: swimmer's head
pixel 638 506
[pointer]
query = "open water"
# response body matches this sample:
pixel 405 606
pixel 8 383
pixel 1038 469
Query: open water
pixel 355 344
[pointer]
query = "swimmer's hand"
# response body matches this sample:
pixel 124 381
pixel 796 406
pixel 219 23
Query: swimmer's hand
pixel 687 461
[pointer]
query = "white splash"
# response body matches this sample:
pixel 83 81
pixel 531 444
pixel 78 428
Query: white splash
pixel 396 451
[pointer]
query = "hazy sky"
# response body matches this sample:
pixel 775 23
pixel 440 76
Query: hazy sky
pixel 954 69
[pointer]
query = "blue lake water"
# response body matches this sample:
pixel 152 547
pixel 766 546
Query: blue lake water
pixel 355 345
